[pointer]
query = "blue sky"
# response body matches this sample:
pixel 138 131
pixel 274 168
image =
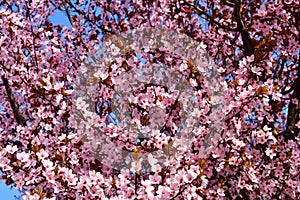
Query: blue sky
pixel 5 192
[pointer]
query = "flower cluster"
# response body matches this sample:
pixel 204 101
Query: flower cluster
pixel 56 146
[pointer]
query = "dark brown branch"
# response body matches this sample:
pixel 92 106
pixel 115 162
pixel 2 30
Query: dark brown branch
pixel 13 103
pixel 293 109
pixel 247 42
pixel 69 15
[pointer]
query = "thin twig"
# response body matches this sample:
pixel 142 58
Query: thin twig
pixel 209 17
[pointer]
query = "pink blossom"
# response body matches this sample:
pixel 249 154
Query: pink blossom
pixel 295 101
pixel 11 149
pixel 42 154
pixel 48 164
pixel 23 157
pixel 298 124
pixel 221 192
pixel 271 153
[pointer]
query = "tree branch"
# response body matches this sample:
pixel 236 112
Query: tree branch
pixel 293 109
pixel 71 5
pixel 228 3
pixel 13 103
pixel 247 42
pixel 209 17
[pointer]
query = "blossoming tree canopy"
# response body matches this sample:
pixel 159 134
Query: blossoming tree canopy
pixel 224 126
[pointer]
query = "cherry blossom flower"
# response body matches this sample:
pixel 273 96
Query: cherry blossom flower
pixel 48 164
pixel 42 154
pixel 81 104
pixel 298 124
pixel 23 157
pixel 11 149
pixel 271 153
